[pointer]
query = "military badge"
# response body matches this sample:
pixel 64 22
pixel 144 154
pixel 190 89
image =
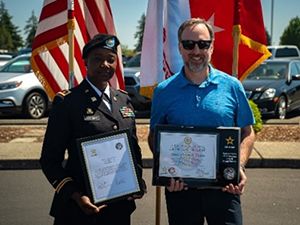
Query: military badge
pixel 127 112
pixel 89 111
pixel 110 42
pixel 229 173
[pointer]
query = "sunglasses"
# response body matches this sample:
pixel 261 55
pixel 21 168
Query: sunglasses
pixel 190 45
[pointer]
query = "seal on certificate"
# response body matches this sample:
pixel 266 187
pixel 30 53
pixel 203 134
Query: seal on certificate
pixel 119 146
pixel 171 170
pixel 188 140
pixel 229 173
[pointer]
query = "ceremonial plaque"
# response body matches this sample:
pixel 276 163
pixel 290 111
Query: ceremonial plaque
pixel 201 156
pixel 109 167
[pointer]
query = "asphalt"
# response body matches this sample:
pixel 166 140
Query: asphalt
pixel 24 152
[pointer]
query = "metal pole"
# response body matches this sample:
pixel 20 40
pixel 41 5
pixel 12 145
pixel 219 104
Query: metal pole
pixel 272 11
pixel 158 206
pixel 71 28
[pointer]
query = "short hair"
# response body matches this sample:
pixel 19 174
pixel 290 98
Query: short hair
pixel 195 21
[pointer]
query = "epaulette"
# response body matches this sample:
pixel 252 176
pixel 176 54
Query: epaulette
pixel 64 93
pixel 124 92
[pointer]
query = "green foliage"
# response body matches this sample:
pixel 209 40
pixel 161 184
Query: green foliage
pixel 268 37
pixel 257 116
pixel 30 30
pixel 11 40
pixel 291 34
pixel 140 33
pixel 126 51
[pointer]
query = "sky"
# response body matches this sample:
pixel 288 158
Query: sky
pixel 127 13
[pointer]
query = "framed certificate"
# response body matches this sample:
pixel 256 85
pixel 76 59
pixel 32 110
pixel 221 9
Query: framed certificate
pixel 109 167
pixel 201 156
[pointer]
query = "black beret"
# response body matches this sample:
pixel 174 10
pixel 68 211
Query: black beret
pixel 106 41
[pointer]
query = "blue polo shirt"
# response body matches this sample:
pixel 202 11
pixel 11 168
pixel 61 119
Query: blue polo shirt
pixel 219 101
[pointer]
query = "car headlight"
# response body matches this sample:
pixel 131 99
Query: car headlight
pixel 269 93
pixel 10 85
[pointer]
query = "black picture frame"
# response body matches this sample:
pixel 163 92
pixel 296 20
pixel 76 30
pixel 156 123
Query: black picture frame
pixel 110 174
pixel 227 156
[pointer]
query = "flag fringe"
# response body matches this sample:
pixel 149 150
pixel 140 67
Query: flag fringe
pixel 148 91
pixel 254 45
pixel 44 48
pixel 42 79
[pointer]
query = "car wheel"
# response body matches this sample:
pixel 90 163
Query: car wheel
pixel 34 106
pixel 281 108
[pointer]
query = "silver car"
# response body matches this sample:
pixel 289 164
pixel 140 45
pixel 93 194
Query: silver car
pixel 20 90
pixel 132 84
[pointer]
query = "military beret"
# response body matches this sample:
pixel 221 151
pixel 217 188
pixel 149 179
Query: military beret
pixel 106 41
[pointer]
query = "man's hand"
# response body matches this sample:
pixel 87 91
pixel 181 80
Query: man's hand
pixel 238 189
pixel 85 204
pixel 177 185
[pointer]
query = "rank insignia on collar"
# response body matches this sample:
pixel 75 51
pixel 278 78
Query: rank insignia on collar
pixel 89 111
pixel 93 99
pixel 115 99
pixel 126 112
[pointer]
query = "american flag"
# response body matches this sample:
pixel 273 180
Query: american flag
pixel 50 51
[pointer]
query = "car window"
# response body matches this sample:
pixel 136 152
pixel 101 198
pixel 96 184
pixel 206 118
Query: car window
pixel 286 52
pixel 294 69
pixel 135 61
pixel 21 65
pixel 269 71
pixel 298 66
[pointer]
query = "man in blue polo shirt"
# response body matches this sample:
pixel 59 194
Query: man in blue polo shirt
pixel 200 95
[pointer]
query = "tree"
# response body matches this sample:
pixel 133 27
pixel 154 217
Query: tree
pixel 268 38
pixel 11 31
pixel 140 33
pixel 30 30
pixel 291 34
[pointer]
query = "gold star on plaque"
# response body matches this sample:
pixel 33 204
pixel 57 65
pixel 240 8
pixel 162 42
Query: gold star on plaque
pixel 164 169
pixel 230 140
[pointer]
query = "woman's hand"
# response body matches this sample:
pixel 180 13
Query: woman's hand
pixel 85 204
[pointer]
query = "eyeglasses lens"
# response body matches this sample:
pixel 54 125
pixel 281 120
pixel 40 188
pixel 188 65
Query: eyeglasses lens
pixel 190 45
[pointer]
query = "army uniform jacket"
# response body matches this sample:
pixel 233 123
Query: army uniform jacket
pixel 79 113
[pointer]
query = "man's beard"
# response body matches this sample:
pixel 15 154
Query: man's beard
pixel 197 67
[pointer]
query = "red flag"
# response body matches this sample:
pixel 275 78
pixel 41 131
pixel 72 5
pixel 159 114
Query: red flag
pixel 50 60
pixel 226 16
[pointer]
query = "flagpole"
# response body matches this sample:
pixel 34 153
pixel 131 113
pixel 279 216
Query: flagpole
pixel 158 205
pixel 235 60
pixel 71 28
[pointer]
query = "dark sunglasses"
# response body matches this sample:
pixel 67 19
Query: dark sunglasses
pixel 190 45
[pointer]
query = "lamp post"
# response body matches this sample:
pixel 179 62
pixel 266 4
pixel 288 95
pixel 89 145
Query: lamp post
pixel 272 10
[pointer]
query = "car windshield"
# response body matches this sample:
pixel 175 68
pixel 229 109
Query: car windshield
pixel 135 61
pixel 271 71
pixel 19 65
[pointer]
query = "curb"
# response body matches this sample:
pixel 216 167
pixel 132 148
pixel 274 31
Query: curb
pixel 147 163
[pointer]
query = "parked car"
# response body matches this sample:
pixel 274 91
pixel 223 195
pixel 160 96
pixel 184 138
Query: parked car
pixel 275 87
pixel 4 58
pixel 20 90
pixel 284 51
pixel 132 84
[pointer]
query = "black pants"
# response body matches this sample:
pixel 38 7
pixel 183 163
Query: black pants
pixel 192 206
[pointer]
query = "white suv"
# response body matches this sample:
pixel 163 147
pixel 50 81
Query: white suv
pixel 21 91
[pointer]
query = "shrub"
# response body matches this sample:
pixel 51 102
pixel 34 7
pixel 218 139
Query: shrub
pixel 257 116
